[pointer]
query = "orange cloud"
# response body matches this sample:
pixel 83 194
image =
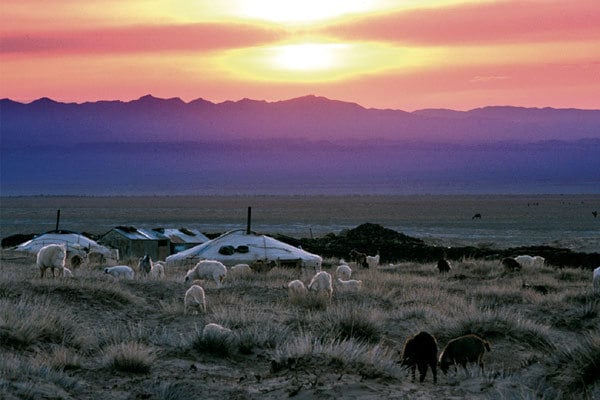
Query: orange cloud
pixel 498 22
pixel 135 39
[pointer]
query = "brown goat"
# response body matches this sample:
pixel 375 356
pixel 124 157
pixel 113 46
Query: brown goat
pixel 443 265
pixel 359 258
pixel 421 351
pixel 463 350
pixel 510 264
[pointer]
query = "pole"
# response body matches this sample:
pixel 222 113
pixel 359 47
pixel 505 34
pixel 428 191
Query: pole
pixel 57 219
pixel 249 220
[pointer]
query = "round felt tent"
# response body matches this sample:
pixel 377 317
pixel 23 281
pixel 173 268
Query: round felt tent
pixel 238 246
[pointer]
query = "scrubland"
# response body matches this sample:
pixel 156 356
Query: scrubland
pixel 91 337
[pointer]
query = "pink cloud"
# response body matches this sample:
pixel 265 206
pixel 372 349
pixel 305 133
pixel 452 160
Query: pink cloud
pixel 495 22
pixel 133 39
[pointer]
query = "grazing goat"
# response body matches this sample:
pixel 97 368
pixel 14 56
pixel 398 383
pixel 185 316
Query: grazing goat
pixel 343 271
pixel 510 264
pixel 421 351
pixel 351 285
pixel 206 269
pixel 443 265
pixel 120 271
pixel 194 299
pixel 52 256
pixel 322 283
pixel 157 270
pixel 359 258
pixel 144 265
pixel 296 289
pixel 373 261
pixel 76 261
pixel 463 350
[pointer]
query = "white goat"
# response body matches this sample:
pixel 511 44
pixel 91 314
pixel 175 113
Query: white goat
pixel 343 271
pixel 51 256
pixel 240 269
pixel 120 271
pixel 373 261
pixel 194 299
pixel 539 261
pixel 321 283
pixel 207 269
pixel 296 289
pixel 157 271
pixel 525 260
pixel 216 330
pixel 596 279
pixel 351 285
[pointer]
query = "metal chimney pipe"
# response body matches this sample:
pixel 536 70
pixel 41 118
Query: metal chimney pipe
pixel 57 219
pixel 249 221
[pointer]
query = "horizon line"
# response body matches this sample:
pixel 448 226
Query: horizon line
pixel 176 98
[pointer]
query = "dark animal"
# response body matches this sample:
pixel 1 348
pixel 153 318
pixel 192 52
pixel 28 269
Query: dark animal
pixel 76 261
pixel 462 350
pixel 421 351
pixel 145 265
pixel 543 289
pixel 510 264
pixel 595 213
pixel 443 265
pixel 359 258
pixel 476 216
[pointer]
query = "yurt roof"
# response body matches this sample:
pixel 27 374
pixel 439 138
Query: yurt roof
pixel 238 246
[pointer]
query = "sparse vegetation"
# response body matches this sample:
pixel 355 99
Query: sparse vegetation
pixel 83 337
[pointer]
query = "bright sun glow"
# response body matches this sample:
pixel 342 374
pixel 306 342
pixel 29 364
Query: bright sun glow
pixel 307 56
pixel 311 61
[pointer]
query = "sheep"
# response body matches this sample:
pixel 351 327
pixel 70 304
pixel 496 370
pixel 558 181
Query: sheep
pixel 208 269
pixel 343 271
pixel 351 285
pixel 144 265
pixel 373 261
pixel 120 271
pixel 359 258
pixel 296 289
pixel 596 279
pixel 462 350
pixel 321 283
pixel 510 264
pixel 195 299
pixel 157 270
pixel 421 351
pixel 443 266
pixel 51 256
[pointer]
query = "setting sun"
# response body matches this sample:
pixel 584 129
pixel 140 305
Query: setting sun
pixel 307 56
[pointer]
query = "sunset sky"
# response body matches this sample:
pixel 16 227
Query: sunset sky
pixel 396 54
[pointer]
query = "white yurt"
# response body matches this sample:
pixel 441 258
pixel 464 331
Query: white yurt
pixel 241 247
pixel 75 243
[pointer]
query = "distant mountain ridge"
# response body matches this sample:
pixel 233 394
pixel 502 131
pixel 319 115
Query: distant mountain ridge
pixel 313 118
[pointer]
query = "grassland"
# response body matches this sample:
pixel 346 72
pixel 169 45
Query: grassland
pixel 94 338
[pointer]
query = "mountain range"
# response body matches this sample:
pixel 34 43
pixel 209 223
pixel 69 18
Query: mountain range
pixel 150 119
pixel 305 145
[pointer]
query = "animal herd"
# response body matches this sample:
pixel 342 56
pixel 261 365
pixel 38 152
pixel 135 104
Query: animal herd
pixel 419 351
